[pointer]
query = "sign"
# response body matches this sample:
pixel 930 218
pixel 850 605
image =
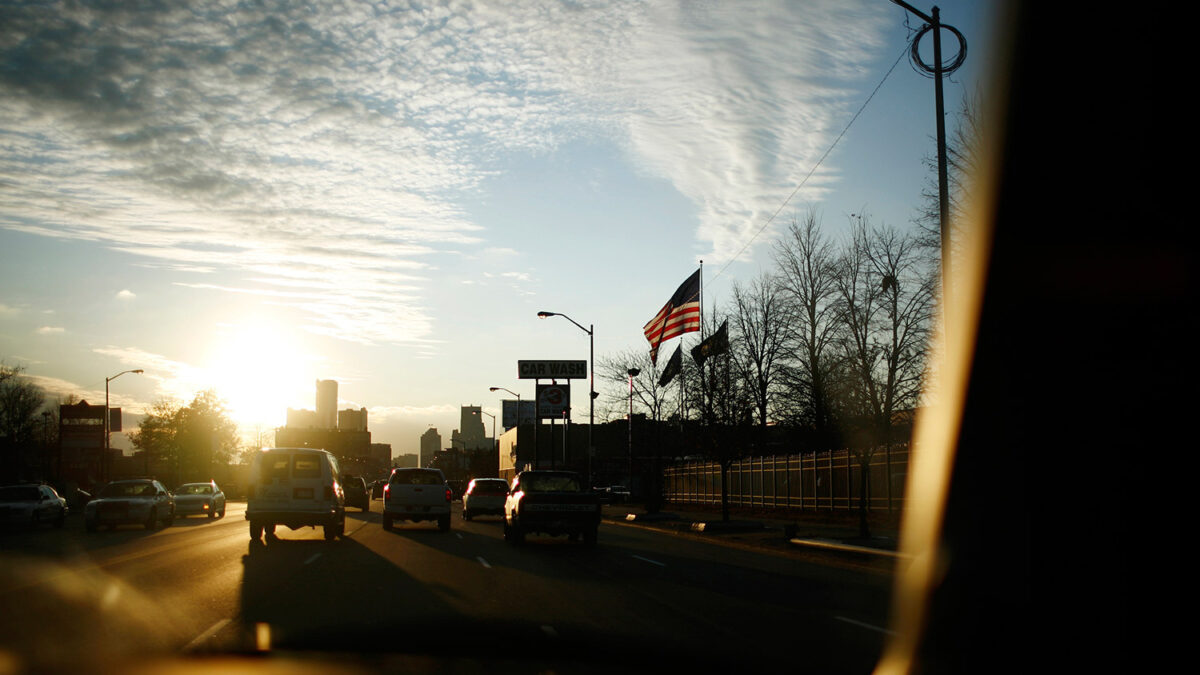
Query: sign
pixel 508 413
pixel 553 400
pixel 552 370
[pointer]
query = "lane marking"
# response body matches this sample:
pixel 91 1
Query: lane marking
pixel 652 562
pixel 868 626
pixel 549 631
pixel 312 558
pixel 203 637
pixel 483 562
pixel 458 535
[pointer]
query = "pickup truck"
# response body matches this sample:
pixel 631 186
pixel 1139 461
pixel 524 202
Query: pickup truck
pixel 417 495
pixel 553 503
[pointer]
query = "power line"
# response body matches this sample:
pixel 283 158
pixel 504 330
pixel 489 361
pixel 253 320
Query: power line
pixel 816 166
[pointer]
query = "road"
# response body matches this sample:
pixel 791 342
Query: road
pixel 638 600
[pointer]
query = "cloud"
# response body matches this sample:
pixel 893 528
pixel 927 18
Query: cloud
pixel 126 294
pixel 329 146
pixel 51 330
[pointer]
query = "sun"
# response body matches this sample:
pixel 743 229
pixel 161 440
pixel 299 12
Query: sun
pixel 259 369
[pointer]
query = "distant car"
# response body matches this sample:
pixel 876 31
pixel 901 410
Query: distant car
pixel 31 505
pixel 553 503
pixel 296 487
pixel 121 502
pixel 417 495
pixel 617 494
pixel 355 489
pixel 199 499
pixel 484 496
pixel 377 488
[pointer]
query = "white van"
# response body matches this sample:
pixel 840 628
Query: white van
pixel 296 487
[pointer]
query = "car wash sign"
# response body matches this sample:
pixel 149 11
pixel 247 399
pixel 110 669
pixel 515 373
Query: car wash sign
pixel 552 370
pixel 553 401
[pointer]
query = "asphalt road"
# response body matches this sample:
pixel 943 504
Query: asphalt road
pixel 419 599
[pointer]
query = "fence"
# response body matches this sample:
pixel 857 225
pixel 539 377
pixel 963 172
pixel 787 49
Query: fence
pixel 821 480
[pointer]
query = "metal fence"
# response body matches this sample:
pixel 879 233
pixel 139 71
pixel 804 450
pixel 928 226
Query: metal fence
pixel 827 481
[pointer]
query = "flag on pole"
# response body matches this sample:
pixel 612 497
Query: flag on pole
pixel 680 315
pixel 717 343
pixel 674 365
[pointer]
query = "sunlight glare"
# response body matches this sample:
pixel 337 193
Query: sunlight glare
pixel 260 370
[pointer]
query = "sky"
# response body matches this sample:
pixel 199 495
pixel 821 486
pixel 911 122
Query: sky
pixel 250 196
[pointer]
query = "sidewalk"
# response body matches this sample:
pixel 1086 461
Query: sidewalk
pixel 767 529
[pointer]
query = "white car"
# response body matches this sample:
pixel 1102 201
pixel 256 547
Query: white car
pixel 31 505
pixel 199 499
pixel 140 500
pixel 484 496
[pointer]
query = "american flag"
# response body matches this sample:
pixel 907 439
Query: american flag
pixel 680 315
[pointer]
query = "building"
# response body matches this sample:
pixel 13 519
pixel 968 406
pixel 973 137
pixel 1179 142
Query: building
pixel 471 434
pixel 327 396
pixel 343 433
pixel 352 420
pixel 431 444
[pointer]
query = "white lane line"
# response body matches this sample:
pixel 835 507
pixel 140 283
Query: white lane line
pixel 652 562
pixel 203 637
pixel 312 558
pixel 549 631
pixel 868 626
pixel 458 535
pixel 483 562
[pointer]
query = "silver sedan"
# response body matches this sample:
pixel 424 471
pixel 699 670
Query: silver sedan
pixel 199 499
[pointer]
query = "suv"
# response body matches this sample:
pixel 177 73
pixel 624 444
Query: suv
pixel 141 500
pixel 417 495
pixel 551 502
pixel 31 504
pixel 355 489
pixel 296 487
pixel 484 496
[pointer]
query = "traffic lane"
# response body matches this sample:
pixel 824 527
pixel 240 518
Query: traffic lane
pixel 645 586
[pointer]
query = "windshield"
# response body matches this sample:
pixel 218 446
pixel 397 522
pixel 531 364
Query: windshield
pixel 679 266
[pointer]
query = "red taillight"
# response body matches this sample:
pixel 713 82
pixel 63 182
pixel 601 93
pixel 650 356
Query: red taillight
pixel 387 489
pixel 449 494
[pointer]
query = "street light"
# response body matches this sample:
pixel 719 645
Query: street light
pixel 632 372
pixel 104 459
pixel 591 382
pixel 494 389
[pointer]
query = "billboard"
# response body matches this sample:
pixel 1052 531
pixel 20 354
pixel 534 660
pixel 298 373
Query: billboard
pixel 508 414
pixel 554 401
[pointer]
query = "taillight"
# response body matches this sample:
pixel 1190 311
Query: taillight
pixel 387 490
pixel 449 494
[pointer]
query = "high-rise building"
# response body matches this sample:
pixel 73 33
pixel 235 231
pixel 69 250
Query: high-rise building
pixel 431 443
pixel 327 403
pixel 352 420
pixel 472 432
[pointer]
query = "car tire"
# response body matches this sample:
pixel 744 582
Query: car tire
pixel 467 516
pixel 153 519
pixel 169 520
pixel 444 523
pixel 366 507
pixel 330 532
pixel 222 510
pixel 387 522
pixel 212 514
pixel 256 530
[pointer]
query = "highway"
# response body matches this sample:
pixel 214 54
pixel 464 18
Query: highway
pixel 375 599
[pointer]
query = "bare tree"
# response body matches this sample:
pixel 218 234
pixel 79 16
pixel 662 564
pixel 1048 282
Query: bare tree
pixel 759 344
pixel 20 401
pixel 807 274
pixel 962 160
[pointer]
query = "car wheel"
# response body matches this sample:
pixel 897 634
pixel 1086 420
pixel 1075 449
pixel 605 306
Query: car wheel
pixel 169 520
pixel 153 519
pixel 89 525
pixel 334 531
pixel 387 522
pixel 222 510
pixel 212 514
pixel 366 507
pixel 256 530
pixel 466 515
pixel 444 523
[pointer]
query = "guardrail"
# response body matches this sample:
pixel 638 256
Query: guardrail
pixel 827 481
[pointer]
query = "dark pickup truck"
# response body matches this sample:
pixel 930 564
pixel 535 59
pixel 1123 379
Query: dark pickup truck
pixel 553 503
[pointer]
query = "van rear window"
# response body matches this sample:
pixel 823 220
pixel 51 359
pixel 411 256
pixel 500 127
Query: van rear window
pixel 275 467
pixel 306 466
pixel 417 477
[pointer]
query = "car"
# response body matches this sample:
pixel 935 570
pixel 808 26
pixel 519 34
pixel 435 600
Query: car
pixel 553 503
pixel 123 502
pixel 355 489
pixel 31 504
pixel 617 494
pixel 484 496
pixel 200 499
pixel 417 495
pixel 296 487
pixel 377 488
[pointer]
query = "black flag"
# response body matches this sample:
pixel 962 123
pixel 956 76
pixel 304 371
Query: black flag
pixel 674 365
pixel 717 343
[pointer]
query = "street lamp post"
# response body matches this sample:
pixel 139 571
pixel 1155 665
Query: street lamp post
pixel 632 372
pixel 590 330
pixel 495 446
pixel 104 459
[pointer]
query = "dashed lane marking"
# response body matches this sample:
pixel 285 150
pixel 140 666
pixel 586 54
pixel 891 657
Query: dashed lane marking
pixel 652 562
